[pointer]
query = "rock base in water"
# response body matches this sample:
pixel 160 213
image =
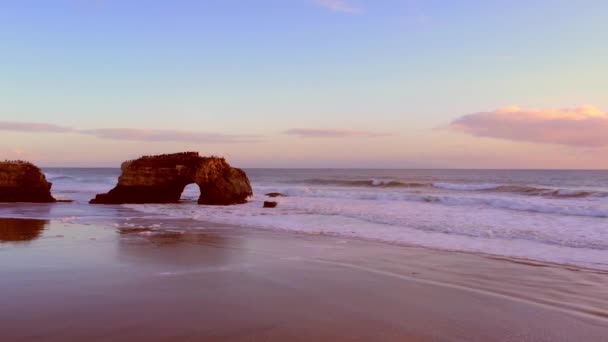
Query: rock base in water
pixel 23 182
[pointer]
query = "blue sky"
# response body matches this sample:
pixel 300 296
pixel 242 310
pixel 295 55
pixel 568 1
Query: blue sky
pixel 381 79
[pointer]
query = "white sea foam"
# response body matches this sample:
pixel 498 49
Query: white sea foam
pixel 581 241
pixel 598 208
pixel 69 219
pixel 466 187
pixel 376 182
pixel 529 190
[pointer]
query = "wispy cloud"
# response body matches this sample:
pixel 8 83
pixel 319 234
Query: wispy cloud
pixel 167 135
pixel 333 133
pixel 32 127
pixel 343 6
pixel 582 126
pixel 133 134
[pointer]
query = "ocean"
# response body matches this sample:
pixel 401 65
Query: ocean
pixel 554 216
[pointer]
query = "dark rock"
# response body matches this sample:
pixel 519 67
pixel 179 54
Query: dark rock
pixel 162 178
pixel 269 204
pixel 23 182
pixel 275 194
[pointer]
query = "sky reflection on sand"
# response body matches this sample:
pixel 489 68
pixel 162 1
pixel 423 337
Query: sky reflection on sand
pixel 177 280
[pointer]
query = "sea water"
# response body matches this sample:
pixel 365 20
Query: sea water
pixel 556 216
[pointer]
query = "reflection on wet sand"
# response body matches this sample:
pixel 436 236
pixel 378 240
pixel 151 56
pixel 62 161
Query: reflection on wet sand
pixel 166 247
pixel 21 230
pixel 168 237
pixel 176 280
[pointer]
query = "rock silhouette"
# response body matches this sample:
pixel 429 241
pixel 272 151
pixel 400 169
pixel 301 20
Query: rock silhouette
pixel 270 204
pixel 162 178
pixel 21 181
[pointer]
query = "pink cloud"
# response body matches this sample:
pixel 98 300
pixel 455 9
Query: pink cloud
pixel 133 134
pixel 582 126
pixel 339 6
pixel 32 127
pixel 333 133
pixel 167 135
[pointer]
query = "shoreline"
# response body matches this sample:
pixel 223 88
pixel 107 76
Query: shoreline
pixel 152 220
pixel 483 298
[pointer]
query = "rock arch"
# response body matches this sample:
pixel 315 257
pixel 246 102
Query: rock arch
pixel 162 179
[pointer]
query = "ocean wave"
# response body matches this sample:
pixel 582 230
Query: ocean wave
pixel 56 177
pixel 522 190
pixel 546 192
pixel 465 186
pixel 511 203
pixel 485 187
pixel 63 178
pixel 366 183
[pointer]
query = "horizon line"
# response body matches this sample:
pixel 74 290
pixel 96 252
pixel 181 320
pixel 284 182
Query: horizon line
pixel 355 168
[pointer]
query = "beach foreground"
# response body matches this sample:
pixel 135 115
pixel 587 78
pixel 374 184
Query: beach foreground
pixel 62 281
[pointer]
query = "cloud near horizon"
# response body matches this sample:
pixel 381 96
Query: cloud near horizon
pixel 33 127
pixel 157 135
pixel 582 126
pixel 343 6
pixel 333 133
pixel 132 134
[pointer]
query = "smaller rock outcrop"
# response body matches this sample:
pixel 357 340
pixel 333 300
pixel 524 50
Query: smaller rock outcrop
pixel 162 178
pixel 270 204
pixel 21 181
pixel 275 194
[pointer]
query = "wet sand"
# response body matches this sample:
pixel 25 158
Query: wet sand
pixel 63 281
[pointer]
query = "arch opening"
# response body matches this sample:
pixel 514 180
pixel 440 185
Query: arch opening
pixel 190 194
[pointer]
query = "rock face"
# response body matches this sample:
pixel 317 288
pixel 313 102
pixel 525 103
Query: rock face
pixel 23 182
pixel 270 204
pixel 161 179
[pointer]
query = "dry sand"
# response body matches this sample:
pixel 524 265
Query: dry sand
pixel 68 282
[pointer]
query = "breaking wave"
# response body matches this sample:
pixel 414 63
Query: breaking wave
pixel 497 202
pixel 366 183
pixel 485 187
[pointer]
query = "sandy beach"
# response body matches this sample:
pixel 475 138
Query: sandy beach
pixel 63 281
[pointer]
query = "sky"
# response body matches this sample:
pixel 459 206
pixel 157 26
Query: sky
pixel 307 83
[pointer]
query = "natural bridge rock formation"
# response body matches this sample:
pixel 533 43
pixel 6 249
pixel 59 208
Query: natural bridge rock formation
pixel 161 179
pixel 23 182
